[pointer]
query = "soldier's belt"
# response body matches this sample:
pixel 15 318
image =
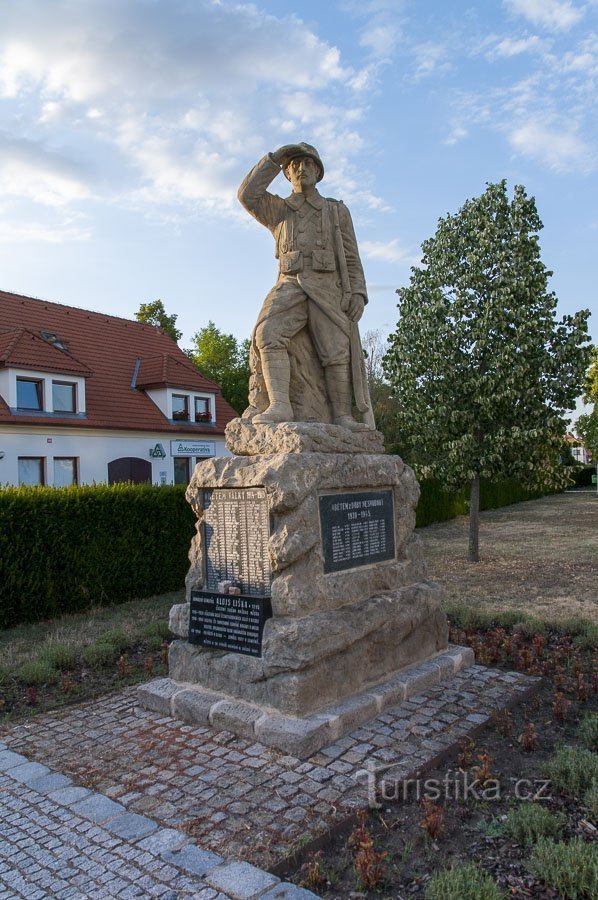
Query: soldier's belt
pixel 318 260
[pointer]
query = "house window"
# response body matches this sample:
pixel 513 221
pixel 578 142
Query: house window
pixel 64 396
pixel 181 470
pixel 180 407
pixel 31 470
pixel 65 471
pixel 203 412
pixel 30 393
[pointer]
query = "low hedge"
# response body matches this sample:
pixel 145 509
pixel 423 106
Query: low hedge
pixel 438 505
pixel 582 475
pixel 64 550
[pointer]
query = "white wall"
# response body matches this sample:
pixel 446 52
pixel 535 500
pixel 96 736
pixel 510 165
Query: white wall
pixel 94 449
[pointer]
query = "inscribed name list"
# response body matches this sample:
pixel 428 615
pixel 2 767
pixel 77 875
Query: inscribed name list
pixel 236 531
pixel 357 529
pixel 226 622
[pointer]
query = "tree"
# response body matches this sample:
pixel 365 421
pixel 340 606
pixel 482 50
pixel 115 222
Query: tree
pixel 154 314
pixel 384 405
pixel 480 367
pixel 587 424
pixel 225 360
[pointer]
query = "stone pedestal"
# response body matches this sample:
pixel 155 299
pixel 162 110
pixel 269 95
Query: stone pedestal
pixel 333 635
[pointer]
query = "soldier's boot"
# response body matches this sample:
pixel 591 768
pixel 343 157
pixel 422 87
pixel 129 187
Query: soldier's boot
pixel 339 387
pixel 276 369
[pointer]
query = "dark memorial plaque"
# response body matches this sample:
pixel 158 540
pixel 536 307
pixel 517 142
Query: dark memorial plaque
pixel 357 529
pixel 236 531
pixel 228 622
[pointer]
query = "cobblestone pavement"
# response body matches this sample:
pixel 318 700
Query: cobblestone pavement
pixel 158 782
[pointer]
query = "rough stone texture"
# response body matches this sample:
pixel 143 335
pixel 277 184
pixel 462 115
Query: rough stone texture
pixel 302 736
pixel 245 439
pixel 332 634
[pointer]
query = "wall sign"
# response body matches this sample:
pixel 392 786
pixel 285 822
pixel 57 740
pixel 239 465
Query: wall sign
pixel 192 448
pixel 157 452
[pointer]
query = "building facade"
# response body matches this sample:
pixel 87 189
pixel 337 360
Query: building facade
pixel 86 397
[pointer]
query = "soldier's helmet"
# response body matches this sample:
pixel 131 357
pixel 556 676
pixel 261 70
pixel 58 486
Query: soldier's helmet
pixel 303 149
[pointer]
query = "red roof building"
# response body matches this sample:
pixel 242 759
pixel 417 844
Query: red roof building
pixel 89 397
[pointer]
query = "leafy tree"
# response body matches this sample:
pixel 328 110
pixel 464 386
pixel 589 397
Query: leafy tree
pixel 480 367
pixel 225 360
pixel 154 314
pixel 587 430
pixel 384 405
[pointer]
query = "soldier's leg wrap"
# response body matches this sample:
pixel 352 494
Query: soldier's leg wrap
pixel 276 370
pixel 340 392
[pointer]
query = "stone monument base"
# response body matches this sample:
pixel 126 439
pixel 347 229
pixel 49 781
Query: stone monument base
pixel 298 736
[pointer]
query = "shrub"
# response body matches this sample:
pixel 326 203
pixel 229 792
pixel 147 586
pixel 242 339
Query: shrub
pixel 571 869
pixel 530 821
pixel 572 770
pixel 60 657
pixel 466 882
pixel 154 635
pixel 588 731
pixel 590 798
pixel 116 638
pixel 438 505
pixel 3 676
pixel 37 672
pixel 99 655
pixel 63 550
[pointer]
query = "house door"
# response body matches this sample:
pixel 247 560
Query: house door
pixel 129 468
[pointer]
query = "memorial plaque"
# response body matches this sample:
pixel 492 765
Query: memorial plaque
pixel 357 529
pixel 228 622
pixel 236 531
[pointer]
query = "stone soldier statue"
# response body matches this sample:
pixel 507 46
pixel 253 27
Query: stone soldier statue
pixel 320 286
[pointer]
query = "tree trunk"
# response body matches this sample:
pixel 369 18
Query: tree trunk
pixel 473 553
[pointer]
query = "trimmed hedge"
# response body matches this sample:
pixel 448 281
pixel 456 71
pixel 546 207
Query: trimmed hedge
pixel 436 505
pixel 582 475
pixel 64 550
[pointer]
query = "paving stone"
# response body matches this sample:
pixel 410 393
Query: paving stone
pixel 98 808
pixel 48 783
pixel 28 771
pixel 9 760
pixel 163 840
pixel 241 881
pixel 131 826
pixel 192 859
pixel 287 891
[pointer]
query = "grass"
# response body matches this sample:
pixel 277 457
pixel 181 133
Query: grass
pixel 571 869
pixel 588 731
pixel 573 771
pixel 128 621
pixel 528 822
pixel 465 882
pixel 464 615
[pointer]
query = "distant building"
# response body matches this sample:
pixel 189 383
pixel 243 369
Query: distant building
pixel 580 454
pixel 86 397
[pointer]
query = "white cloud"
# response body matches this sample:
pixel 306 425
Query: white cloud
pixel 388 251
pixel 34 232
pixel 431 58
pixel 557 145
pixel 457 133
pixel 554 15
pixel 29 170
pixel 515 46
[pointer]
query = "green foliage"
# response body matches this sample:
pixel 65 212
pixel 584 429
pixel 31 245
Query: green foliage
pixel 437 505
pixel 224 360
pixel 572 770
pixel 530 821
pixel 590 392
pixel 37 672
pixel 588 731
pixel 571 869
pixel 590 798
pixel 154 635
pixel 67 549
pixel 60 657
pixel 465 882
pixel 481 369
pixel 154 314
pixel 100 655
pixel 582 475
pixel 116 638
pixel 587 429
pixel 3 676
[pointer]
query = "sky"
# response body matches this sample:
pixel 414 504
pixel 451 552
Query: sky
pixel 126 127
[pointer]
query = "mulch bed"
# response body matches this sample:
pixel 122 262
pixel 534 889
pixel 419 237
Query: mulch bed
pixel 506 757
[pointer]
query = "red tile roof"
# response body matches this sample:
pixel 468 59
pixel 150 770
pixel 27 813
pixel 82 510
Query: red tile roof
pixel 109 352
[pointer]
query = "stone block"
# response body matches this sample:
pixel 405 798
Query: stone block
pixel 8 760
pixel 98 808
pixel 193 705
pixel 163 840
pixel 48 783
pixel 193 860
pixel 287 891
pixel 235 716
pixel 67 796
pixel 28 772
pixel 240 880
pixel 157 695
pixel 296 737
pixel 131 826
pixel 351 713
pixel 178 621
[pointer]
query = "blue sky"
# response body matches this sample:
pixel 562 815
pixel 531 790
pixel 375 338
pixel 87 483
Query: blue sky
pixel 127 125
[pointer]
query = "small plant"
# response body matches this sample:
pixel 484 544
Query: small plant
pixel 99 656
pixel 164 652
pixel 588 731
pixel 369 864
pixel 66 683
pixel 122 665
pixel 590 798
pixel 560 707
pixel 148 665
pixel 571 869
pixel 116 638
pixel 483 772
pixel 530 821
pixel 529 738
pixel 313 873
pixel 503 722
pixel 37 672
pixel 466 882
pixel 573 770
pixel 31 697
pixel 433 820
pixel 466 751
pixel 154 634
pixel 60 657
pixel 582 688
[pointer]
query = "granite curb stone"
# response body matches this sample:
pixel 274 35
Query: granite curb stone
pixel 241 881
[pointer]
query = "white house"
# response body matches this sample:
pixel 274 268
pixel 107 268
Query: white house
pixel 86 397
